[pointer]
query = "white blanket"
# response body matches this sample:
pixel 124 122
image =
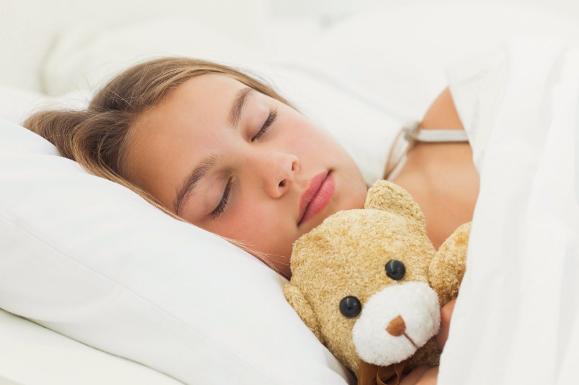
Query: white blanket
pixel 516 320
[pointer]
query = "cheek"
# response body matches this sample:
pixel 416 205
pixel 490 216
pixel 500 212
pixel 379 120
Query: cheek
pixel 303 138
pixel 255 222
pixel 293 131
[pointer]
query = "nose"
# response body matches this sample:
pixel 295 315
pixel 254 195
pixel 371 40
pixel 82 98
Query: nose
pixel 278 172
pixel 396 327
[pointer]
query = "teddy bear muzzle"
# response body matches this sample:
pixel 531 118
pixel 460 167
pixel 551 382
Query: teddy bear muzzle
pixel 395 322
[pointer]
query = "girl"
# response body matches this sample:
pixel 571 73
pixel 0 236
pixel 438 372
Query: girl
pixel 213 146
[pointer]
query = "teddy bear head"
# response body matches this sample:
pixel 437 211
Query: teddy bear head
pixel 360 280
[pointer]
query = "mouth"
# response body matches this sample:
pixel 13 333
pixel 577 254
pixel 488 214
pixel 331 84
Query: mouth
pixel 318 194
pixel 411 341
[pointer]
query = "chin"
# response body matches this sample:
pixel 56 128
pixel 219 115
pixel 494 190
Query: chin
pixel 356 194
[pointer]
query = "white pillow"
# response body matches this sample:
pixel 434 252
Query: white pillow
pixel 92 260
pixel 85 56
pixel 16 104
pixel 34 355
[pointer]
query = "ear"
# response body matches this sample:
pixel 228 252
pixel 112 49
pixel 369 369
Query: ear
pixel 388 196
pixel 296 299
pixel 449 264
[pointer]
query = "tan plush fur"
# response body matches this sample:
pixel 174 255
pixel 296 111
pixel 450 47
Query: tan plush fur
pixel 346 255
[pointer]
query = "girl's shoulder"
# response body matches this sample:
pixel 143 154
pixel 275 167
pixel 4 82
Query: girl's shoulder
pixel 442 113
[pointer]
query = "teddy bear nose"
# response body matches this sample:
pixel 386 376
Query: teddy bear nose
pixel 396 327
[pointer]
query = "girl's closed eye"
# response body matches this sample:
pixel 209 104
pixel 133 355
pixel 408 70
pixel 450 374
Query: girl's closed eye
pixel 268 121
pixel 225 197
pixel 221 206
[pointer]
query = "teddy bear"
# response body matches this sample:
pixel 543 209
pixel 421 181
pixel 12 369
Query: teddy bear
pixel 370 284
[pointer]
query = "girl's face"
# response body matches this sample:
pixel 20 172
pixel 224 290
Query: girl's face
pixel 236 162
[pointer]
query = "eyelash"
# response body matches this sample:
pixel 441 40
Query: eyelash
pixel 221 206
pixel 270 119
pixel 225 197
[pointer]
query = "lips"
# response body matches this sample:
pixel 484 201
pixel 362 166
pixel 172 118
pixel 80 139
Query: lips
pixel 310 193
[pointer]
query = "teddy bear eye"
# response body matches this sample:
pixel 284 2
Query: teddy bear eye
pixel 395 269
pixel 350 306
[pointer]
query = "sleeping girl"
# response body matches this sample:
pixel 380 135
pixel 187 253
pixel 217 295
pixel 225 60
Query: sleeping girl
pixel 212 146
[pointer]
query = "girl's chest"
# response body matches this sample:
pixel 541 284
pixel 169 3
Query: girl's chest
pixel 443 180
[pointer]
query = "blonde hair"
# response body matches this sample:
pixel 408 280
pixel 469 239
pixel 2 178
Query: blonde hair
pixel 97 136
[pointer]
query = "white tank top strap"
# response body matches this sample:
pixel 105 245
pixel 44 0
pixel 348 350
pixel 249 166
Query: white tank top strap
pixel 441 136
pixel 407 137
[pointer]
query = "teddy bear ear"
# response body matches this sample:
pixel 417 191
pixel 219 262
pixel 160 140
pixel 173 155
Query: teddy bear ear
pixel 388 196
pixel 296 299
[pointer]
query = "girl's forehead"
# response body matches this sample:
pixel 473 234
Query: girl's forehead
pixel 208 85
pixel 206 96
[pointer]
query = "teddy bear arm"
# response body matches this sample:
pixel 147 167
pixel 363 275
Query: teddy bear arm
pixel 296 299
pixel 448 265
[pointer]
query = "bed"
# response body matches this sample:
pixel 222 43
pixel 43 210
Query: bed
pixel 73 314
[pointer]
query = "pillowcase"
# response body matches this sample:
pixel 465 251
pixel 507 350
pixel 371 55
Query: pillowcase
pixel 92 260
pixel 34 355
pixel 17 104
pixel 85 56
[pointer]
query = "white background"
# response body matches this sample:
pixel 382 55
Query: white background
pixel 271 25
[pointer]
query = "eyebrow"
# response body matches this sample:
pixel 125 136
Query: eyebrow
pixel 237 106
pixel 192 180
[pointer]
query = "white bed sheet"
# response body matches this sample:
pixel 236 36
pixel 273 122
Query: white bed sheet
pixel 516 318
pixel 34 355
